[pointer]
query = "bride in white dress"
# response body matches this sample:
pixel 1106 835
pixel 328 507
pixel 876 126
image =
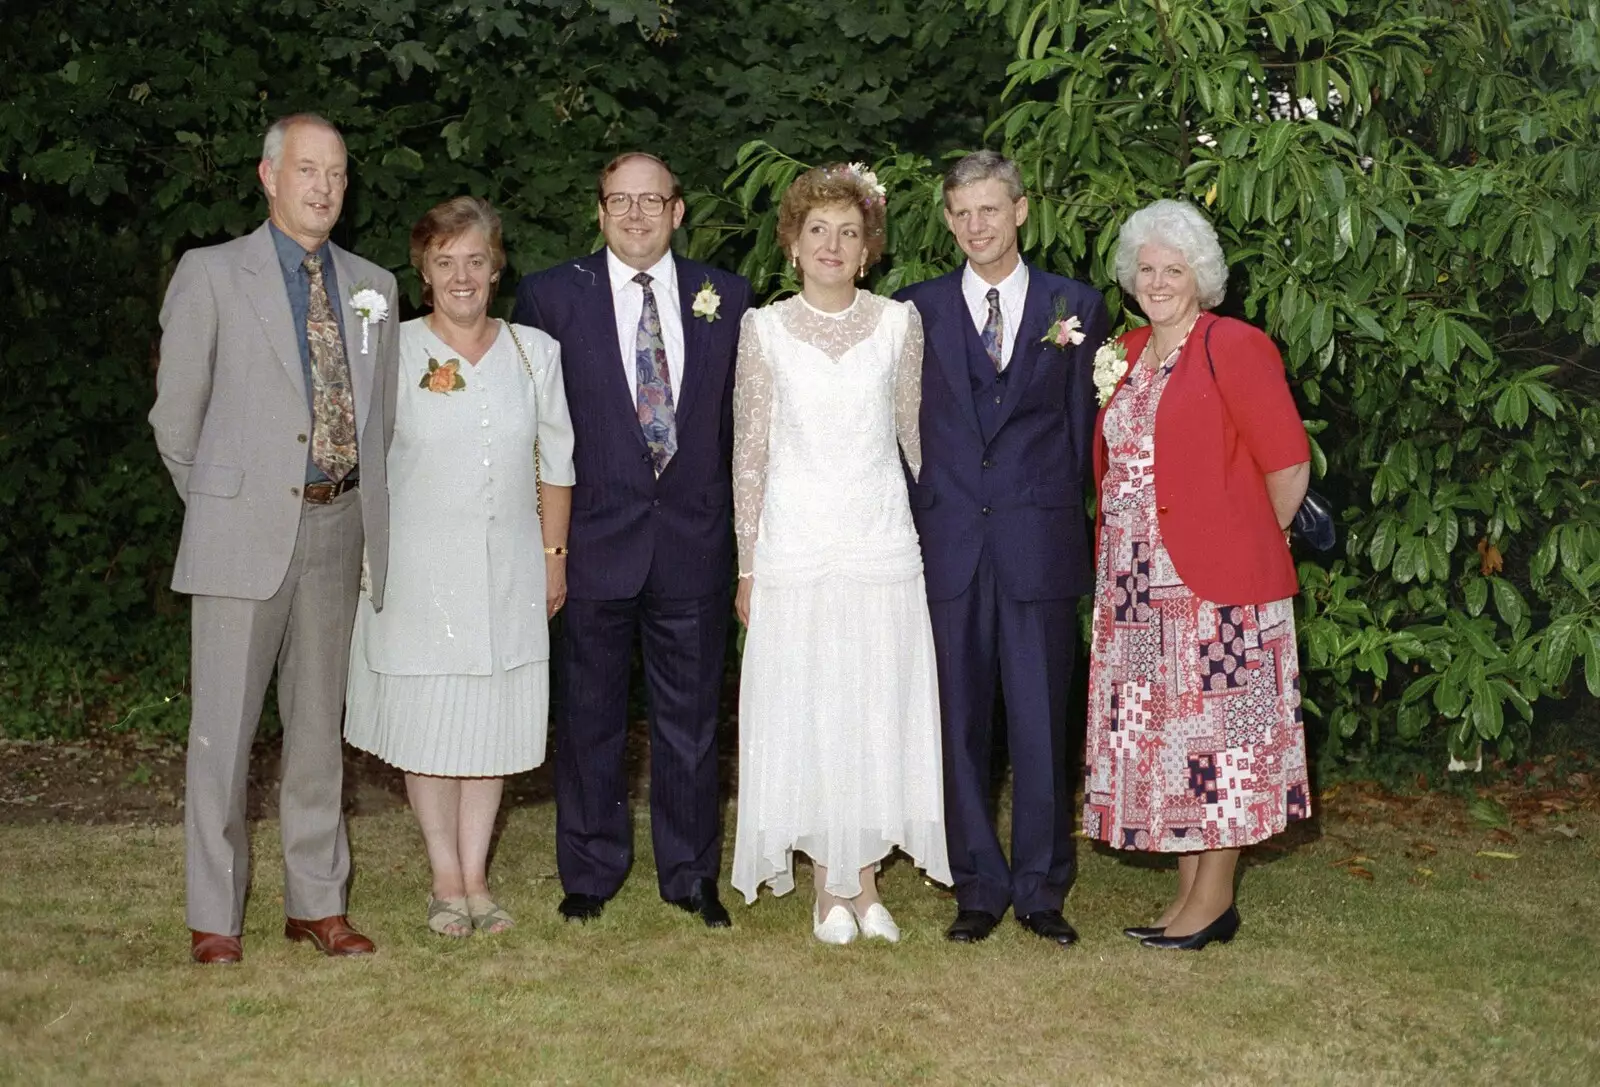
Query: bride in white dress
pixel 839 748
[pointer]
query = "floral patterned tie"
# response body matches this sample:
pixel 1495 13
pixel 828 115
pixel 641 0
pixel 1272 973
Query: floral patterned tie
pixel 333 405
pixel 992 326
pixel 657 417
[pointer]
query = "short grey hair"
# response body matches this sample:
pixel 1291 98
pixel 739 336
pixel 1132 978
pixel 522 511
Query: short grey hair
pixel 272 145
pixel 1176 224
pixel 983 166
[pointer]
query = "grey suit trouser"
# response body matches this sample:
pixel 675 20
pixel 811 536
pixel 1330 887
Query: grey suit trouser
pixel 304 631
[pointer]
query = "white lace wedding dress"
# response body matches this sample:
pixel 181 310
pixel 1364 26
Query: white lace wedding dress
pixel 839 746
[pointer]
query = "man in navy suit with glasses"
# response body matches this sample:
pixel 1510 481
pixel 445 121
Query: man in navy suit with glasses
pixel 648 341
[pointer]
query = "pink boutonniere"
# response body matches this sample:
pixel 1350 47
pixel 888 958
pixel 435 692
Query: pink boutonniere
pixel 1064 331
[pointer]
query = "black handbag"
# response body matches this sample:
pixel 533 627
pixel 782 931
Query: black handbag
pixel 1313 521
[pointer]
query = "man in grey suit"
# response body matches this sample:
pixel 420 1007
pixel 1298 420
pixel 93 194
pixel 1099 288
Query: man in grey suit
pixel 274 408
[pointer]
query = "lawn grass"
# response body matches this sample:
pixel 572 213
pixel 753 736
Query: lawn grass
pixel 1448 967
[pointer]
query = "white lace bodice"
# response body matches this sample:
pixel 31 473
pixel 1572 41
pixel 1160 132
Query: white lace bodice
pixel 821 401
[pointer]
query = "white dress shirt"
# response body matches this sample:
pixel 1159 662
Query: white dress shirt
pixel 627 298
pixel 1013 297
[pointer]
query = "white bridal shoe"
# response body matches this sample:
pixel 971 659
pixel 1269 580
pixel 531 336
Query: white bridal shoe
pixel 876 922
pixel 839 928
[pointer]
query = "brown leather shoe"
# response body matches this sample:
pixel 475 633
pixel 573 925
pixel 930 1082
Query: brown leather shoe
pixel 214 949
pixel 331 935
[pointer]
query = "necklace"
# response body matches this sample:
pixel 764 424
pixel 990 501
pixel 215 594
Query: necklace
pixel 1167 359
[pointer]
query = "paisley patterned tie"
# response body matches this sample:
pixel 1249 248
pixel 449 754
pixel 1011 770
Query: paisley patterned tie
pixel 657 417
pixel 992 327
pixel 333 404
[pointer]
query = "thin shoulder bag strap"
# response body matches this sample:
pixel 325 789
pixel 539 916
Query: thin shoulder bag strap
pixel 538 483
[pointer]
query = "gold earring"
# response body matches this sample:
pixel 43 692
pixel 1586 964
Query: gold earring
pixel 794 260
pixel 863 269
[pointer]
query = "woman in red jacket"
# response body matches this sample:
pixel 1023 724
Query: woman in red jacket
pixel 1195 743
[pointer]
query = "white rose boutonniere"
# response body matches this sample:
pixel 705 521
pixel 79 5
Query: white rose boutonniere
pixel 1110 363
pixel 706 302
pixel 371 307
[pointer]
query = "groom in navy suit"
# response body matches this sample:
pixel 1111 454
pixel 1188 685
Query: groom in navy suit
pixel 1007 421
pixel 648 342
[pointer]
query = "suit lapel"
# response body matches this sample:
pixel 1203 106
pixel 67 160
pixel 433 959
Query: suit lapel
pixel 264 289
pixel 361 366
pixel 946 331
pixel 598 328
pixel 1036 314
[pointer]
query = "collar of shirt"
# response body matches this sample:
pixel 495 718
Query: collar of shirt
pixel 627 300
pixel 291 254
pixel 1013 299
pixel 663 278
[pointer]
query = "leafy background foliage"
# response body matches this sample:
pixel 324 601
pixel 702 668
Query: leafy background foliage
pixel 130 131
pixel 1406 192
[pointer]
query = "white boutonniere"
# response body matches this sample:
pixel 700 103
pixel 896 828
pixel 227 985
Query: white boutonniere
pixel 371 307
pixel 1064 331
pixel 1110 363
pixel 706 303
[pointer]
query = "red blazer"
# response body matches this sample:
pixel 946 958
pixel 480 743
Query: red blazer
pixel 1216 438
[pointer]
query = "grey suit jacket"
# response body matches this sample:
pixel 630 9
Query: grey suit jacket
pixel 232 420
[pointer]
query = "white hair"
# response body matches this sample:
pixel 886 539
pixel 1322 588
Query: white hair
pixel 272 145
pixel 1178 225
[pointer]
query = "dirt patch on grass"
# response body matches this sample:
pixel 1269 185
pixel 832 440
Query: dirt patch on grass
pixel 112 777
pixel 115 778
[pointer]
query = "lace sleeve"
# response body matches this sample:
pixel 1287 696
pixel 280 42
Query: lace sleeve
pixel 752 414
pixel 908 392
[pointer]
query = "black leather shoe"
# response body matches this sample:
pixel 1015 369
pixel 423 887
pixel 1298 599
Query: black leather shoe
pixel 970 926
pixel 1050 925
pixel 703 901
pixel 581 907
pixel 1219 931
pixel 1139 933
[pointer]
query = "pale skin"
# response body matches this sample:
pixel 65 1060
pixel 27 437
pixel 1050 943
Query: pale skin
pixel 830 255
pixel 1164 285
pixel 985 220
pixel 457 815
pixel 306 185
pixel 640 240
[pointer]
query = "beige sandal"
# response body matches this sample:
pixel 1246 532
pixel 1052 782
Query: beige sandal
pixel 487 916
pixel 449 917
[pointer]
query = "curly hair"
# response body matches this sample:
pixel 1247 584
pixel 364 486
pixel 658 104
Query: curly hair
pixel 830 186
pixel 1178 225
pixel 448 221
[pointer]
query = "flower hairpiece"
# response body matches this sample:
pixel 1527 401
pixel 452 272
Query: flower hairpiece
pixel 859 171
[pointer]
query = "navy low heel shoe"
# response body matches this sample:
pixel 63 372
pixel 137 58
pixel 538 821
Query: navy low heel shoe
pixel 1138 932
pixel 1219 931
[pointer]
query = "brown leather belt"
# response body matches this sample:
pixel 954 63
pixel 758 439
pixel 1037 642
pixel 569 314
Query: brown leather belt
pixel 320 494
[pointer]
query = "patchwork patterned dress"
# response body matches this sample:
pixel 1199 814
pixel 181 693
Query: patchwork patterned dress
pixel 1195 738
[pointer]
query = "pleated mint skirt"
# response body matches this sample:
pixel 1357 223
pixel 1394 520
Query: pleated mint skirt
pixel 447 725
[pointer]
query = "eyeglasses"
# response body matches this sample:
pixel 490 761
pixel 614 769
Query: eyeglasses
pixel 650 203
